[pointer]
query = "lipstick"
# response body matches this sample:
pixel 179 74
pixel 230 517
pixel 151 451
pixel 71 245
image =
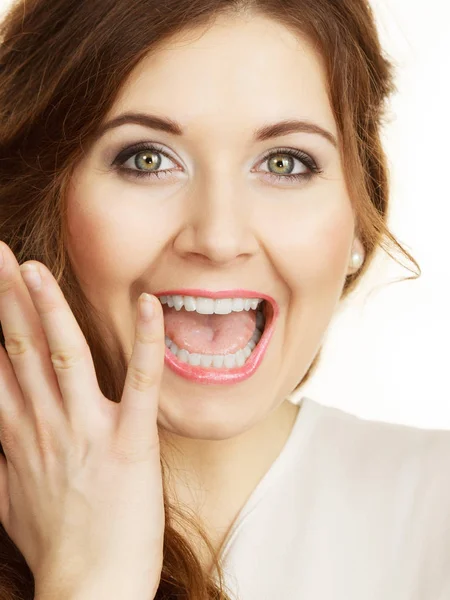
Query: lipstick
pixel 213 375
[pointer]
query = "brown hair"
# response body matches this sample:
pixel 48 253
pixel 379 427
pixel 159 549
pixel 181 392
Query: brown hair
pixel 61 66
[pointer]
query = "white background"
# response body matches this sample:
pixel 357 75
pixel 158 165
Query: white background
pixel 386 355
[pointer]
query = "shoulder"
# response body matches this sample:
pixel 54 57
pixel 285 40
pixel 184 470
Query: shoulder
pixel 390 486
pixel 399 472
pixel 398 460
pixel 370 441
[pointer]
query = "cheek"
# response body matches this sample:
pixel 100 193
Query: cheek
pixel 313 250
pixel 311 243
pixel 110 242
pixel 325 249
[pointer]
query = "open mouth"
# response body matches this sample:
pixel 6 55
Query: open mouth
pixel 207 338
pixel 228 353
pixel 215 341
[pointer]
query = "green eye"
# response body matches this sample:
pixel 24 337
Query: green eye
pixel 281 163
pixel 145 161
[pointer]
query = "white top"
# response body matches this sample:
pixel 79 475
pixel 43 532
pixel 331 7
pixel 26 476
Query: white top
pixel 351 509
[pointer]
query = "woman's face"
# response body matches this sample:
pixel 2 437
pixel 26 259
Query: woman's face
pixel 225 215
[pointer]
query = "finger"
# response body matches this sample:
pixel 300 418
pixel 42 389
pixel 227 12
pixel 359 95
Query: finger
pixel 137 428
pixel 27 351
pixel 4 491
pixel 69 352
pixel 17 424
pixel 12 402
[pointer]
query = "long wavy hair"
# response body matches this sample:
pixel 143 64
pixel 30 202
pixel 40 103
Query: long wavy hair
pixel 62 63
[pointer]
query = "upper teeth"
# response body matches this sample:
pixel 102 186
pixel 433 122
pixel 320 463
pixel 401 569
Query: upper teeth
pixel 209 306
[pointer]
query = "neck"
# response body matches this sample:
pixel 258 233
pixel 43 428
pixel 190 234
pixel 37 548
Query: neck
pixel 214 479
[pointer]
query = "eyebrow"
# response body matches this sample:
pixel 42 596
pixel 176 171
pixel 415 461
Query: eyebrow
pixel 261 134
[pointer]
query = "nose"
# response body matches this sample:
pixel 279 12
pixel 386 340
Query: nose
pixel 218 226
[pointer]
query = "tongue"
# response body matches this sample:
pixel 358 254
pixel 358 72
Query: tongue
pixel 209 334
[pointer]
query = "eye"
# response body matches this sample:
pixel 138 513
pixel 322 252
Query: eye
pixel 283 159
pixel 144 160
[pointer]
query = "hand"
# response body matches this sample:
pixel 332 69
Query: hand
pixel 81 490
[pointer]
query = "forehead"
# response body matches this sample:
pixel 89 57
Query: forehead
pixel 229 78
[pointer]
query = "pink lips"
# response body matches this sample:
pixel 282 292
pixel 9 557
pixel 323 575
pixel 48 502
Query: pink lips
pixel 223 376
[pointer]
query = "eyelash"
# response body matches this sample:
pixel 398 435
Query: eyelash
pixel 128 153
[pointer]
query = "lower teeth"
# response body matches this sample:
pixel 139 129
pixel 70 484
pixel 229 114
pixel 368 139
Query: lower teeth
pixel 217 361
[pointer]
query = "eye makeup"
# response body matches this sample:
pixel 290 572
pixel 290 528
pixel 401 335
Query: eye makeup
pixel 147 148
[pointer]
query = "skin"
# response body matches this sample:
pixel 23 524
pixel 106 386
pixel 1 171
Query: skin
pixel 215 224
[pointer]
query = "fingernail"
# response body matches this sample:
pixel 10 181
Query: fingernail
pixel 31 276
pixel 146 307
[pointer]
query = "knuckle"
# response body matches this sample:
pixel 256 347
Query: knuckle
pixel 125 450
pixel 51 436
pixel 138 379
pixel 9 433
pixel 45 440
pixel 65 359
pixel 6 285
pixel 18 344
pixel 119 448
pixel 12 429
pixel 146 338
pixel 48 306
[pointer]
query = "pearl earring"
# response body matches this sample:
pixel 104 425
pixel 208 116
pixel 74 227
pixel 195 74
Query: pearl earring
pixel 356 260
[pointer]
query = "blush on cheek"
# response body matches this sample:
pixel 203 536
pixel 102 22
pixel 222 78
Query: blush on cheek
pixel 89 247
pixel 101 246
pixel 326 247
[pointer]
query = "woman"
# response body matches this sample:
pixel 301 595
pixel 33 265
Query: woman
pixel 224 158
